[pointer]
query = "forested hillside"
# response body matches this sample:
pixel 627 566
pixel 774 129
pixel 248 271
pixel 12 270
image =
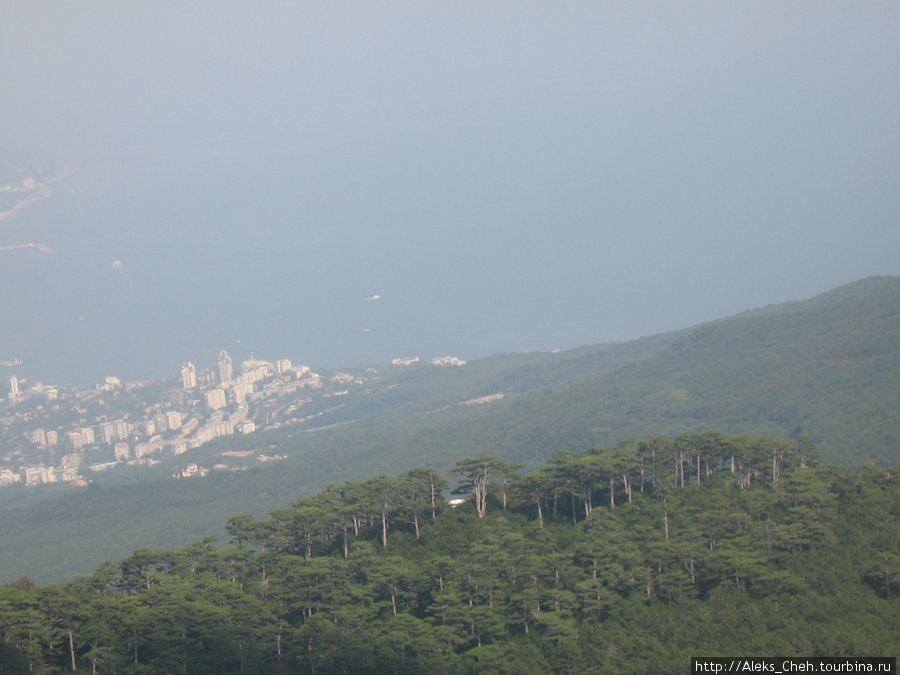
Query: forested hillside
pixel 824 368
pixel 625 560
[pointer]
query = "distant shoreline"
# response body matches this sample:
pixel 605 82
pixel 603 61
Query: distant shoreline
pixel 41 192
pixel 39 247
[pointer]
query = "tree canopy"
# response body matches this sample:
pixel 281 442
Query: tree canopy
pixel 627 559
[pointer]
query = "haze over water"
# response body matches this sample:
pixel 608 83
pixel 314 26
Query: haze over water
pixel 505 176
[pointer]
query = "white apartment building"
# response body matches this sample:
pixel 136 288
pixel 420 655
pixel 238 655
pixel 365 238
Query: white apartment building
pixel 108 432
pixel 215 399
pixel 189 375
pixel 81 437
pixel 226 371
pixel 173 419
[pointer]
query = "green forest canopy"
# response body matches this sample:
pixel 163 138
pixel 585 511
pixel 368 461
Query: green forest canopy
pixel 628 559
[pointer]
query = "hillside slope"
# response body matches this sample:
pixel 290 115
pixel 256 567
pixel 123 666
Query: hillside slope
pixel 825 368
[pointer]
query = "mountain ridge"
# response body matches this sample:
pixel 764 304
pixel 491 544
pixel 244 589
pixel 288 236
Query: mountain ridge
pixel 822 368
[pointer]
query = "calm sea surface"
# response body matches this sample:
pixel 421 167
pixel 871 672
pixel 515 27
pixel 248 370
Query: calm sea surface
pixel 149 274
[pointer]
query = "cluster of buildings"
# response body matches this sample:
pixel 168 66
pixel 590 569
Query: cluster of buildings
pixel 447 361
pixel 220 386
pixel 16 395
pixel 137 423
pixel 208 404
pixel 439 361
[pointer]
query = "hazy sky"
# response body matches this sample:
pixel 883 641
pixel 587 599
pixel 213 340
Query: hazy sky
pixel 505 175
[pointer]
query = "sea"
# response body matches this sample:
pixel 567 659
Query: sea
pixel 140 269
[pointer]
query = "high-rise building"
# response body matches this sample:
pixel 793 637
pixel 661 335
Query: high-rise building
pixel 173 419
pixel 161 422
pixel 81 437
pixel 108 432
pixel 35 475
pixel 14 385
pixel 241 392
pixel 207 376
pixel 122 429
pixel 226 372
pixel 215 399
pixel 189 375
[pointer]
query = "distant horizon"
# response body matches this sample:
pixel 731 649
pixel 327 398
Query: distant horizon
pixel 347 183
pixel 240 357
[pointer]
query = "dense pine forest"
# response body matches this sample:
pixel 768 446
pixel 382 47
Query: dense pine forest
pixel 629 559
